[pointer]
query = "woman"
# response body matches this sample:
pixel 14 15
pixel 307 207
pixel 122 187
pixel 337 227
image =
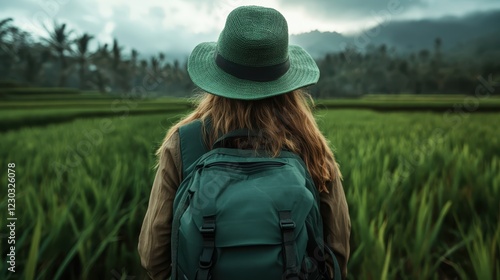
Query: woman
pixel 252 79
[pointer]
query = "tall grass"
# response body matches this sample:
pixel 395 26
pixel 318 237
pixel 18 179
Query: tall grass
pixel 81 189
pixel 423 192
pixel 423 189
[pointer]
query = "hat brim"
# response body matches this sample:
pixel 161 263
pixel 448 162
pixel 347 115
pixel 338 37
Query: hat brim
pixel 205 73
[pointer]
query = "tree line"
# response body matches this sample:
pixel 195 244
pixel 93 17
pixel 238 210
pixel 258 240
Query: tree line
pixel 381 69
pixel 64 59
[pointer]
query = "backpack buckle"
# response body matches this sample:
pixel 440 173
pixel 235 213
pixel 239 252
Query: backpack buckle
pixel 207 229
pixel 287 224
pixel 206 258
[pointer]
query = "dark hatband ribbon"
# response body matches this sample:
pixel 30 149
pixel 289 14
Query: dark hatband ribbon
pixel 257 74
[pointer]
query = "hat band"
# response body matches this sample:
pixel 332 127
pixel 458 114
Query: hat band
pixel 253 73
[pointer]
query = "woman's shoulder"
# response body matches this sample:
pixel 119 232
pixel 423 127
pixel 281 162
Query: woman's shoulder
pixel 169 149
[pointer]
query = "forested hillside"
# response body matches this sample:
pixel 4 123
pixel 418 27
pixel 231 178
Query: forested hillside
pixel 443 56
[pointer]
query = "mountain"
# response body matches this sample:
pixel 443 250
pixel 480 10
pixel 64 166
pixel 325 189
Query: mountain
pixel 319 43
pixel 472 33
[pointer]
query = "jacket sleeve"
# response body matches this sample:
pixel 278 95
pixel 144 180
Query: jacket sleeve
pixel 154 240
pixel 336 223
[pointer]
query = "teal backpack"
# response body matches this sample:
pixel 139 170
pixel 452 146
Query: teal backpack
pixel 240 214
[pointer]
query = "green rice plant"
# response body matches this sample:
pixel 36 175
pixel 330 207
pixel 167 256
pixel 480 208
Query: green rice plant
pixel 85 188
pixel 33 253
pixel 405 155
pixel 422 190
pixel 483 250
pixel 425 232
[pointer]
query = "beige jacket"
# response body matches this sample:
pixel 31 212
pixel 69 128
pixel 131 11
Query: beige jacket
pixel 154 240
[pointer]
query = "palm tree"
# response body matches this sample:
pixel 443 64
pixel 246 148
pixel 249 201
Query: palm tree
pixel 164 68
pixel 161 57
pixel 6 53
pixel 437 45
pixel 437 63
pixel 100 60
pixel 14 45
pixel 133 67
pixel 59 41
pixel 34 57
pixel 144 63
pixel 155 65
pixel 437 52
pixel 116 52
pixel 423 55
pixel 4 27
pixel 176 68
pixel 133 57
pixel 121 69
pixel 82 54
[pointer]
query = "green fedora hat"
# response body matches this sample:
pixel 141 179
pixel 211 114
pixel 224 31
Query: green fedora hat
pixel 252 59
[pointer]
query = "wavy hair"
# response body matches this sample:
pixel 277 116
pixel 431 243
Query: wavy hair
pixel 283 121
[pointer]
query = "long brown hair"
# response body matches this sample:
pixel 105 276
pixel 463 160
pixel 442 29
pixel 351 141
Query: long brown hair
pixel 285 121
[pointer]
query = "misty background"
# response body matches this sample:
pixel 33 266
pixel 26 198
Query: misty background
pixel 382 46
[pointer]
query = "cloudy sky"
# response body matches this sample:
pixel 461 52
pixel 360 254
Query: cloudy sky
pixel 177 26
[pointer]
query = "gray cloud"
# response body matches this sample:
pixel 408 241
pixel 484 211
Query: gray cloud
pixel 16 6
pixel 150 37
pixel 347 9
pixel 34 15
pixel 147 36
pixel 365 10
pixel 150 33
pixel 157 12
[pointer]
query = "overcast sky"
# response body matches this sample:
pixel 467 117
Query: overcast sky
pixel 177 26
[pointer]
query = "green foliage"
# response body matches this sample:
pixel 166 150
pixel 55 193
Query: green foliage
pixel 88 183
pixel 422 190
pixel 9 84
pixel 460 104
pixel 19 113
pixel 353 73
pixel 65 61
pixel 37 91
pixel 407 176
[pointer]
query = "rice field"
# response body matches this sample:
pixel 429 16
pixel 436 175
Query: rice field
pixel 423 192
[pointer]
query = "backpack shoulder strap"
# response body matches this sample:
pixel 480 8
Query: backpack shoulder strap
pixel 192 145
